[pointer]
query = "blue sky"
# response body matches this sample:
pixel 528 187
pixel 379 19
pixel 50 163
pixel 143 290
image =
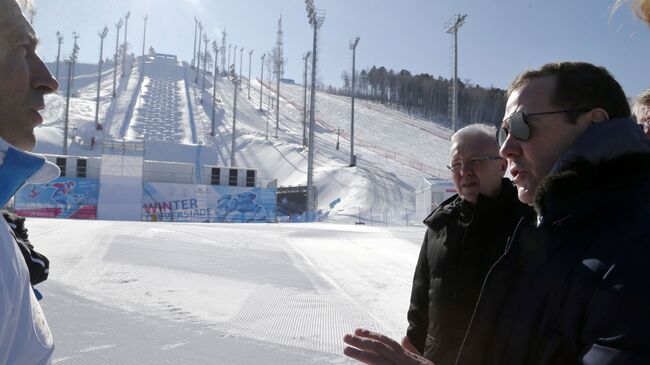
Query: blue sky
pixel 500 38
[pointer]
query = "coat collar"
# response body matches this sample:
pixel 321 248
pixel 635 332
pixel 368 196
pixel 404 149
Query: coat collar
pixel 609 155
pixel 457 207
pixel 19 167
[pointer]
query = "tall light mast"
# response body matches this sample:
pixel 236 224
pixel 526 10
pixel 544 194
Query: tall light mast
pixel 457 22
pixel 316 20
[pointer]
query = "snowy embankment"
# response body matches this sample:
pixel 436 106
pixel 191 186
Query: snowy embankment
pixel 151 293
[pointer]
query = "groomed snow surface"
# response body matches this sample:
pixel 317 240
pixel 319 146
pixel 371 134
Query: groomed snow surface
pixel 172 293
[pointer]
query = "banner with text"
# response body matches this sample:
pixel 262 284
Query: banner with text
pixel 64 197
pixel 207 203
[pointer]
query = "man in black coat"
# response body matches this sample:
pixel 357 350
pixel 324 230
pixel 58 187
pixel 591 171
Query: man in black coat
pixel 573 285
pixel 466 235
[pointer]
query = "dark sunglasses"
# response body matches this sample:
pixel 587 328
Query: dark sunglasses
pixel 518 124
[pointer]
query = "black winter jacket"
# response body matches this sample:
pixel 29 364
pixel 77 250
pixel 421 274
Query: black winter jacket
pixel 574 289
pixel 36 262
pixel 462 242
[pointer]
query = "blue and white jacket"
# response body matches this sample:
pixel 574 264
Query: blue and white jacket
pixel 25 337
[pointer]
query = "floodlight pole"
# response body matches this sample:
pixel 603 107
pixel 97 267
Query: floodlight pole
pixel 67 109
pixel 144 36
pixel 234 120
pixel 198 55
pixel 205 62
pixel 262 87
pixel 117 51
pixel 277 100
pixel 75 36
pixel 71 61
pixel 316 20
pixel 279 64
pixel 223 51
pixel 102 35
pixel 250 56
pixel 214 85
pixel 241 51
pixel 453 30
pixel 59 39
pixel 196 26
pixel 126 27
pixel 304 103
pixel 353 160
pixel 234 61
pixel 227 69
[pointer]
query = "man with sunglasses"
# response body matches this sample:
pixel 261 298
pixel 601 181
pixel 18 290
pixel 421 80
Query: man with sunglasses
pixel 465 236
pixel 573 285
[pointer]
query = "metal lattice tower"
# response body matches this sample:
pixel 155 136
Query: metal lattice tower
pixel 452 29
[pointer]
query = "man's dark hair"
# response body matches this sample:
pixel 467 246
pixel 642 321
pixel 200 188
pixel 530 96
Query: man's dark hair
pixel 580 85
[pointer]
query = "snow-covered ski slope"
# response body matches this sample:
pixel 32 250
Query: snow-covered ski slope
pixel 164 105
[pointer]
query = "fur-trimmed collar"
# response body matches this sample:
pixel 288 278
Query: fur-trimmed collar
pixel 608 155
pixel 584 185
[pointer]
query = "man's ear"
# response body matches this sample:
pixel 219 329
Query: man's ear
pixel 597 115
pixel 503 167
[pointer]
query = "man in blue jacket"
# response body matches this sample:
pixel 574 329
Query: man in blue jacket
pixel 572 287
pixel 25 337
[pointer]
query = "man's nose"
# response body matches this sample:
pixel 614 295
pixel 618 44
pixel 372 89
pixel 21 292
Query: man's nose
pixel 510 147
pixel 466 168
pixel 41 78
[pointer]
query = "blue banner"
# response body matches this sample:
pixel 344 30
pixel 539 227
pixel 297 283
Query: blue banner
pixel 207 203
pixel 64 197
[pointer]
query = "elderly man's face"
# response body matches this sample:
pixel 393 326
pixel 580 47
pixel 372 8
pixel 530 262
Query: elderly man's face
pixel 24 80
pixel 550 136
pixel 476 174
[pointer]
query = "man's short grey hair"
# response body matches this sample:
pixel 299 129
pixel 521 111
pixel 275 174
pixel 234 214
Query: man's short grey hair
pixel 484 131
pixel 12 24
pixel 641 104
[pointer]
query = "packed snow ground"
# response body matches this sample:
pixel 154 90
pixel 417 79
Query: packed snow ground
pixel 154 293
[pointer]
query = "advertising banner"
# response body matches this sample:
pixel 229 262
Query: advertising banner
pixel 64 197
pixel 207 203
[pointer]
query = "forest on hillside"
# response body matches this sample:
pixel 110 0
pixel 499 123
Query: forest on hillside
pixel 424 95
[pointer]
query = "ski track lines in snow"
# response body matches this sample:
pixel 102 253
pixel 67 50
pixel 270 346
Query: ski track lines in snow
pixel 141 293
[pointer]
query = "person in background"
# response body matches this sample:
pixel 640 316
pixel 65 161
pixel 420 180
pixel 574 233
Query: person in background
pixel 640 7
pixel 641 110
pixel 25 337
pixel 572 287
pixel 466 235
